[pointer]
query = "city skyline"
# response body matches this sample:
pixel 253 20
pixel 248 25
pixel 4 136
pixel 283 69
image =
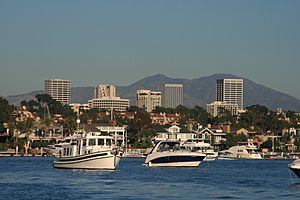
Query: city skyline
pixel 120 42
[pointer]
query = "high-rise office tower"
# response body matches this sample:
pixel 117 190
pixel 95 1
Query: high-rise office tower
pixel 58 89
pixel 148 99
pixel 172 95
pixel 230 91
pixel 101 91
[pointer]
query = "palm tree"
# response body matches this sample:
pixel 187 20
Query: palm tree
pixel 26 128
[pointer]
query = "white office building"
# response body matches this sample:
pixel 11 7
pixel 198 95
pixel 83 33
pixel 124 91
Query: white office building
pixel 148 99
pixel 230 91
pixel 172 95
pixel 58 89
pixel 106 103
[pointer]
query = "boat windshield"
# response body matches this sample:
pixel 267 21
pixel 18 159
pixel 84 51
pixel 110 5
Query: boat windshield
pixel 169 146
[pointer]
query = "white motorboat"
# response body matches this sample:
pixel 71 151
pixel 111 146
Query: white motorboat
pixel 172 154
pixel 295 167
pixel 88 151
pixel 245 151
pixel 202 147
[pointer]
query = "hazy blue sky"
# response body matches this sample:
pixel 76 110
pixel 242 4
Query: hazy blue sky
pixel 119 42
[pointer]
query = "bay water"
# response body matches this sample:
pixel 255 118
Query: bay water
pixel 35 178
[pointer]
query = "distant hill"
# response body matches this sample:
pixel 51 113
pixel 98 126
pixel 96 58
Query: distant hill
pixel 16 99
pixel 198 91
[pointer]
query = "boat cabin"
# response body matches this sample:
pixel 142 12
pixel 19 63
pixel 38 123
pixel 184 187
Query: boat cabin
pixel 167 146
pixel 198 145
pixel 86 145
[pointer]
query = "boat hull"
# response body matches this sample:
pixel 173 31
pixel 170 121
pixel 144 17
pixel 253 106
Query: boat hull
pixel 211 157
pixel 240 157
pixel 295 167
pixel 176 161
pixel 95 161
pixel 52 151
pixel 296 171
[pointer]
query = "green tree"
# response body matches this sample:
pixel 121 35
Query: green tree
pixel 297 143
pixel 293 118
pixel 164 110
pixel 69 124
pixel 225 116
pixel 140 130
pixel 6 111
pixel 25 126
pixel 267 145
pixel 234 139
pixel 261 118
pixel 91 114
pixel 201 115
pixel 32 105
pixel 185 114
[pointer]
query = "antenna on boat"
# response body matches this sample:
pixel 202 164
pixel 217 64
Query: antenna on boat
pixel 78 121
pixel 111 114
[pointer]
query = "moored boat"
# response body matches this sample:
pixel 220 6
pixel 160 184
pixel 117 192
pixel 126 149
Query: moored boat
pixel 89 151
pixel 202 147
pixel 295 167
pixel 172 154
pixel 244 151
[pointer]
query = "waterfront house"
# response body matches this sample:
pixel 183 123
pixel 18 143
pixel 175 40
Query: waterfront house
pixel 211 135
pixel 172 132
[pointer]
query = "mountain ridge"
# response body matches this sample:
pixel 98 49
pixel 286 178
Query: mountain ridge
pixel 198 91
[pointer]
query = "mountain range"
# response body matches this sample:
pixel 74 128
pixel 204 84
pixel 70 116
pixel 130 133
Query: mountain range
pixel 198 91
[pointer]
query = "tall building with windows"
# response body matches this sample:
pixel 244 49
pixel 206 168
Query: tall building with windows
pixel 230 91
pixel 148 99
pixel 101 91
pixel 58 89
pixel 172 95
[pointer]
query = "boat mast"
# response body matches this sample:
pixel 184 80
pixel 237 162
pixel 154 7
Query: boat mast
pixel 78 121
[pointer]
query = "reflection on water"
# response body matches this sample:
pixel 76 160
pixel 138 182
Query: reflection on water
pixel 35 178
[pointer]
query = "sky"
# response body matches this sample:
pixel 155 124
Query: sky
pixel 120 42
